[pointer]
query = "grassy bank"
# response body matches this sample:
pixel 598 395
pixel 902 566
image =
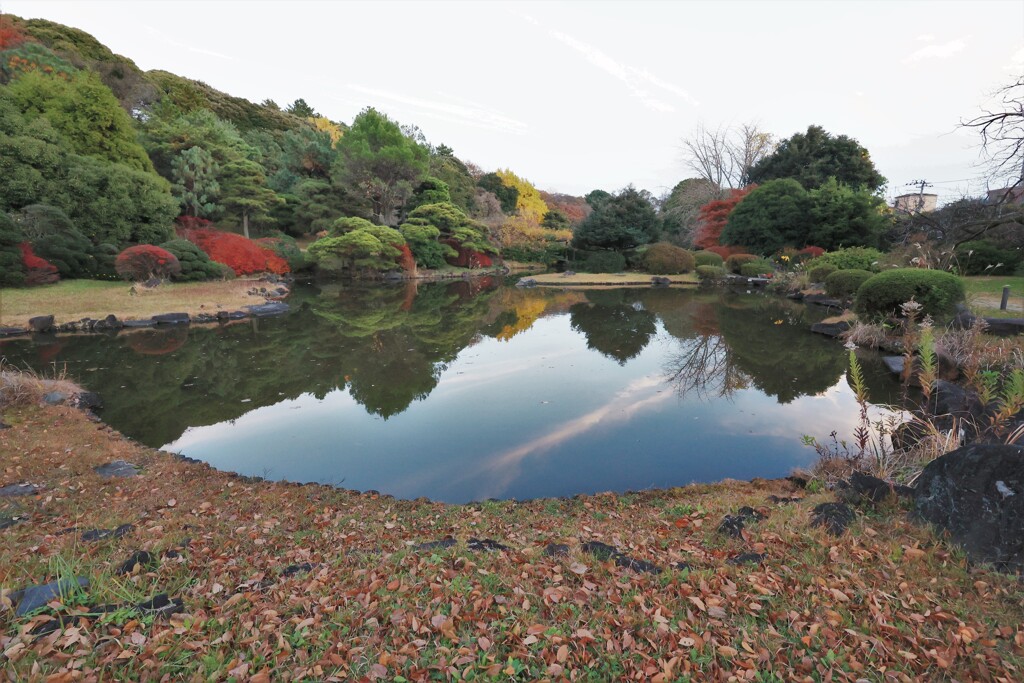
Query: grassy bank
pixel 285 582
pixel 72 300
pixel 984 294
pixel 609 279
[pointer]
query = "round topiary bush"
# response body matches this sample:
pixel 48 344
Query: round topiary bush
pixel 845 283
pixel 707 258
pixel 881 296
pixel 733 263
pixel 756 268
pixel 667 259
pixel 859 258
pixel 603 262
pixel 710 272
pixel 821 272
pixel 980 257
pixel 146 261
pixel 194 262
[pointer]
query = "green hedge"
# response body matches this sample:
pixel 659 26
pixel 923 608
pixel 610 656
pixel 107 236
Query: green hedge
pixel 707 258
pixel 667 259
pixel 936 290
pixel 757 267
pixel 710 272
pixel 603 262
pixel 733 263
pixel 852 258
pixel 821 273
pixel 845 283
pixel 980 257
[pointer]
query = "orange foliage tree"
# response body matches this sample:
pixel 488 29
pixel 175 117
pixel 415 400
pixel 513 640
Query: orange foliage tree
pixel 714 215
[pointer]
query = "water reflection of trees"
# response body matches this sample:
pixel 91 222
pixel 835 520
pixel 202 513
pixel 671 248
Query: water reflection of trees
pixel 615 323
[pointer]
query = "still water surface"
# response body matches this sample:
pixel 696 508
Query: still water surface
pixel 472 390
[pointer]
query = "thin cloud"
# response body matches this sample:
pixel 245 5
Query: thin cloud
pixel 464 113
pixel 940 51
pixel 189 48
pixel 634 78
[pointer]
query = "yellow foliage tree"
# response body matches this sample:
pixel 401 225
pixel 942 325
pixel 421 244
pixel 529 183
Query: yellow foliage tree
pixel 325 125
pixel 529 205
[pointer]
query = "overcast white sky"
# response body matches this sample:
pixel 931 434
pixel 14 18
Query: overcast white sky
pixel 582 95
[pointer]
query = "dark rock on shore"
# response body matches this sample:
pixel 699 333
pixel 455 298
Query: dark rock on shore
pixel 14 490
pixel 658 281
pixel 830 329
pixel 863 486
pixel 823 300
pixel 55 398
pixel 267 309
pixel 949 398
pixel 835 517
pixel 117 468
pixel 605 552
pixel 747 558
pixel 231 315
pixel 11 331
pixel 101 534
pixel 88 400
pixel 172 319
pixel 526 282
pixel 160 606
pixel 140 558
pixel 976 493
pixel 486 544
pixel 35 597
pixel 556 550
pixel 293 569
pixel 437 545
pixel 41 323
pixel 138 324
pixel 1004 327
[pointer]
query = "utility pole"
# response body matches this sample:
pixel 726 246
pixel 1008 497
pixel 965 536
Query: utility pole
pixel 920 184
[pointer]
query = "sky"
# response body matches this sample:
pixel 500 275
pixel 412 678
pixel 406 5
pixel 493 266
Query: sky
pixel 581 95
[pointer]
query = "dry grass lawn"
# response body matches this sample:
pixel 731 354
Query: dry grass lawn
pixel 73 300
pixel 608 279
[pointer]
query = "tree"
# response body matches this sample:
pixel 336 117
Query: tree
pixel 1002 136
pixel 813 157
pixel 713 217
pixel 245 192
pixel 54 237
pixel 769 218
pixel 12 271
pixel 680 211
pixel 555 220
pixel 724 156
pixel 430 191
pixel 372 247
pixel 194 182
pixel 618 222
pixel 380 163
pixel 844 217
pixel 301 109
pixel 529 204
pixel 507 196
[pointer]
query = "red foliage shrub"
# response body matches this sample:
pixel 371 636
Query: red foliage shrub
pixel 468 258
pixel 406 261
pixel 193 223
pixel 11 37
pixel 158 342
pixel 38 271
pixel 244 256
pixel 714 215
pixel 811 252
pixel 726 252
pixel 145 261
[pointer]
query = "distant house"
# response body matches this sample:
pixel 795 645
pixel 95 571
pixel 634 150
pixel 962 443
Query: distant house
pixel 1006 195
pixel 915 203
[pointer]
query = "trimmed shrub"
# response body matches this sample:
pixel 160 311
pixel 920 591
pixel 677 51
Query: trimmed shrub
pixel 145 261
pixel 981 257
pixel 603 262
pixel 244 256
pixel 852 258
pixel 881 296
pixel 821 272
pixel 286 247
pixel 733 263
pixel 845 283
pixel 195 263
pixel 757 267
pixel 667 259
pixel 12 270
pixel 54 237
pixel 710 272
pixel 706 257
pixel 38 271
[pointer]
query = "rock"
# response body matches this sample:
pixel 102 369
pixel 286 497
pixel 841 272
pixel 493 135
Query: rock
pixel 1004 327
pixel 948 398
pixel 568 273
pixel 747 558
pixel 823 300
pixel 231 315
pixel 835 517
pixel 117 468
pixel 448 542
pixel 799 482
pixel 36 597
pixel 4 425
pixel 14 490
pixel 7 522
pixel 526 282
pixel 783 499
pixel 556 550
pixel 964 319
pixel 681 566
pixel 109 323
pixel 657 281
pixel 55 398
pixel 140 558
pixel 88 400
pixel 41 323
pixel 830 329
pixel 293 569
pixel 862 486
pixel 11 331
pixel 485 545
pixel 160 606
pixel 731 526
pixel 171 319
pixel 976 493
pixel 132 324
pixel 605 552
pixel 749 514
pixel 796 296
pixel 894 364
pixel 101 534
pixel 268 309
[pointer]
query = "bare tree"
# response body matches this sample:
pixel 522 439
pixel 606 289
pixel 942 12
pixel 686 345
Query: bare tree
pixel 1002 137
pixel 725 155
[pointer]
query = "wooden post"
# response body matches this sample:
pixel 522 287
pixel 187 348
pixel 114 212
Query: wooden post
pixel 1006 298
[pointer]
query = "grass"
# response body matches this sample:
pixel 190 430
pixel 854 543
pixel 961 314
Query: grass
pixel 72 300
pixel 888 596
pixel 985 292
pixel 608 279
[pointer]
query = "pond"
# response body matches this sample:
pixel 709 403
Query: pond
pixel 476 389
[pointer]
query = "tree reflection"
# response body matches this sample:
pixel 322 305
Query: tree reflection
pixel 615 323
